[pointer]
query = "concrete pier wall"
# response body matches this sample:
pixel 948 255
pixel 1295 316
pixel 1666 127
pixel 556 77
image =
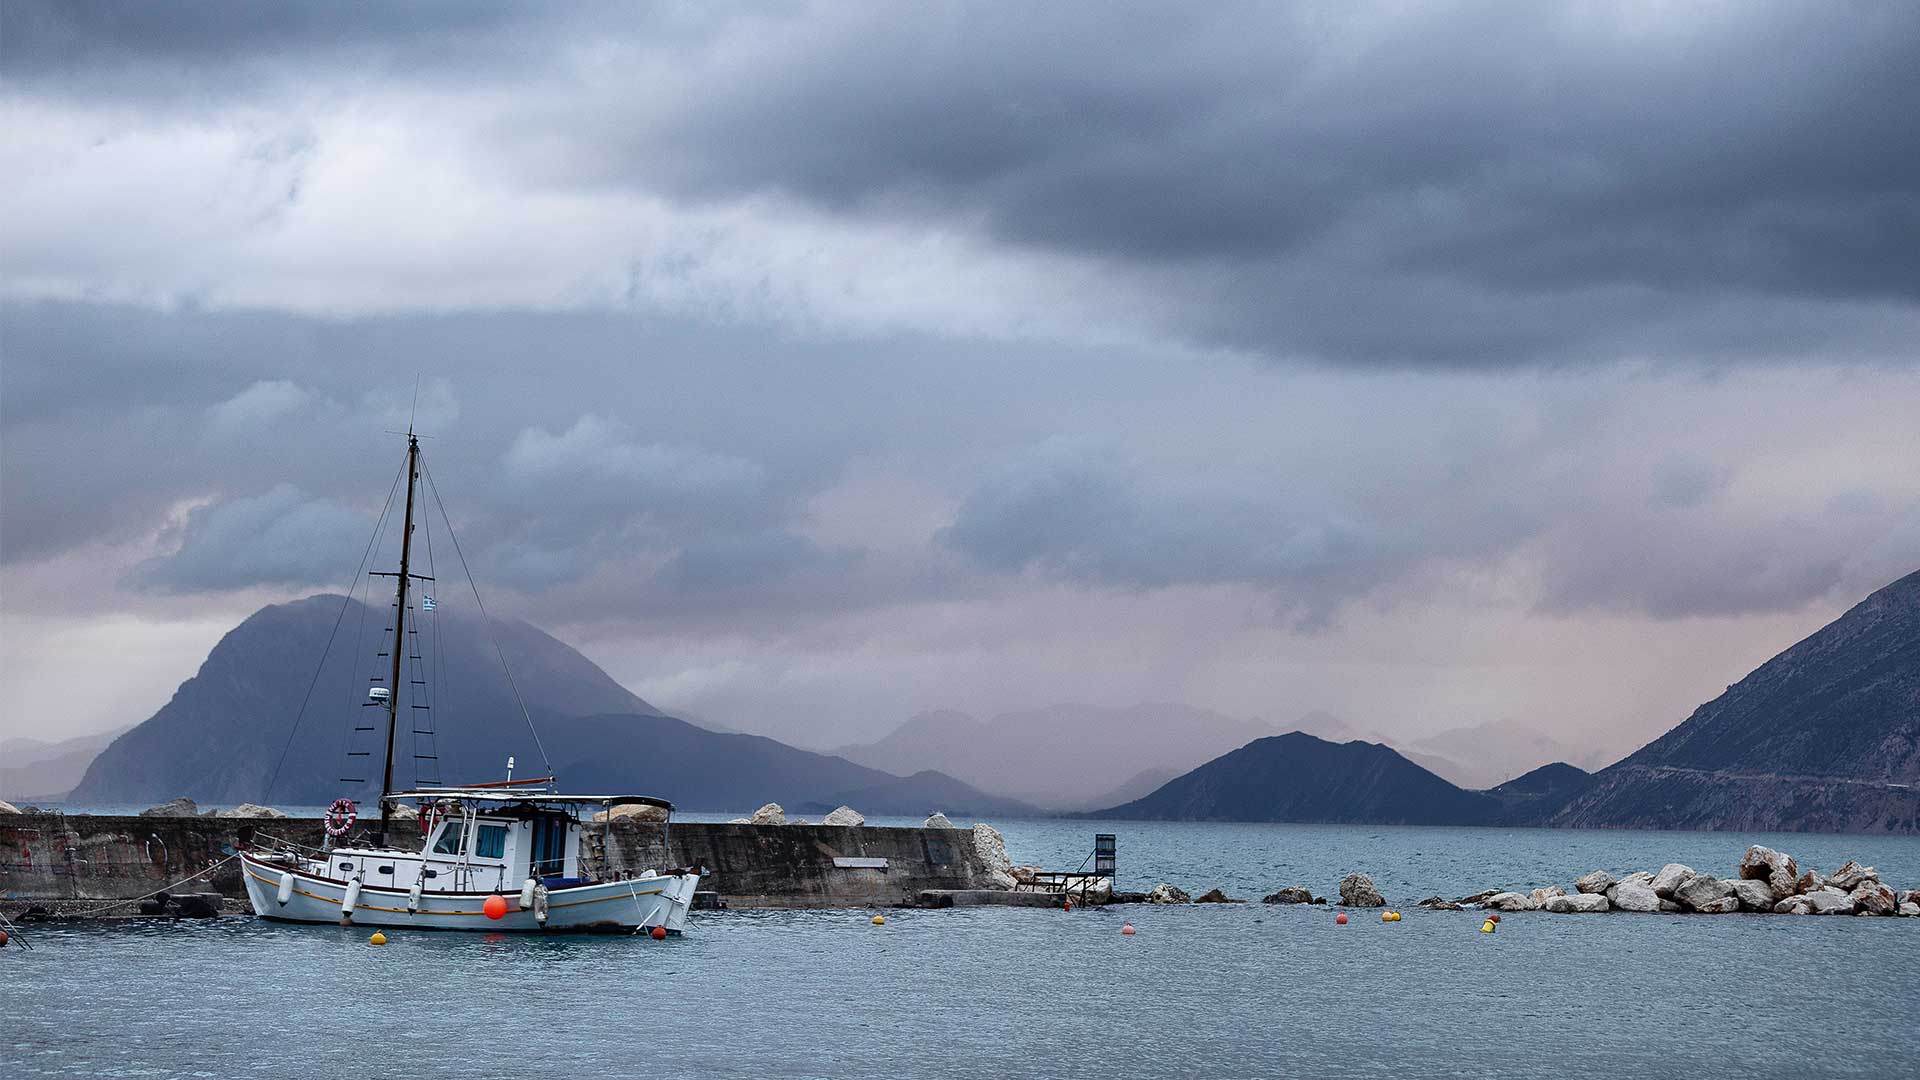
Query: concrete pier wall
pixel 61 860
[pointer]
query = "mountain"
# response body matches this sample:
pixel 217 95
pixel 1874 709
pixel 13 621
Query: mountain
pixel 1527 796
pixel 38 769
pixel 1823 737
pixel 1483 755
pixel 1064 757
pixel 1298 777
pixel 699 769
pixel 220 737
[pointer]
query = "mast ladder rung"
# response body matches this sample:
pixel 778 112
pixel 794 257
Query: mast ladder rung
pixel 358 753
pixel 368 727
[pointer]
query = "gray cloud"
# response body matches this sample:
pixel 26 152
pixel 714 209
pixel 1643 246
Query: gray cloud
pixel 282 537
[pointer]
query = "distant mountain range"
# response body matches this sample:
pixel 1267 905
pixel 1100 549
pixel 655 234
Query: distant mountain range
pixel 1064 757
pixel 36 769
pixel 220 738
pixel 1823 737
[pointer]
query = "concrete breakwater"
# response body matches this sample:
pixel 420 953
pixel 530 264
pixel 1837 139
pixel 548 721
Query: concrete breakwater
pixel 75 862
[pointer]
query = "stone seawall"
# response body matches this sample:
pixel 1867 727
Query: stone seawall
pixel 60 860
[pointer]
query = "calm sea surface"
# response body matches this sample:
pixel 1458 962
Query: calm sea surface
pixel 1240 990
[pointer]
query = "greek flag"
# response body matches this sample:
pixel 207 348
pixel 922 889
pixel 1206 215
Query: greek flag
pixel 426 603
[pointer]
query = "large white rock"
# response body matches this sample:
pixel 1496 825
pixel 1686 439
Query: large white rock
pixel 845 815
pixel 1541 896
pixel 247 809
pixel 1829 901
pixel 1872 898
pixel 1356 890
pixel 1510 901
pixel 1793 905
pixel 1638 877
pixel 1909 909
pixel 992 849
pixel 1849 877
pixel 1633 896
pixel 770 814
pixel 1726 905
pixel 1578 903
pixel 400 812
pixel 181 807
pixel 1164 893
pixel 1754 895
pixel 633 812
pixel 1704 890
pixel 1597 882
pixel 937 820
pixel 1809 882
pixel 740 821
pixel 1776 868
pixel 1670 878
pixel 8 808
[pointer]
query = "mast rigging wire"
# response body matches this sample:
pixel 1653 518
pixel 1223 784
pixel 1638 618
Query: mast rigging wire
pixel 486 620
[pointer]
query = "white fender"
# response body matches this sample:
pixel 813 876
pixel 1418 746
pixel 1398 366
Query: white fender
pixel 351 900
pixel 286 888
pixel 413 896
pixel 540 904
pixel 526 894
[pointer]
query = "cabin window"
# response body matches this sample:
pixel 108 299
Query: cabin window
pixel 449 842
pixel 490 842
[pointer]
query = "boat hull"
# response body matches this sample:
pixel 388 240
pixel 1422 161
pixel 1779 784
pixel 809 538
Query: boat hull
pixel 609 907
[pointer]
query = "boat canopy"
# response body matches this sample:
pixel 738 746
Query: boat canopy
pixel 508 795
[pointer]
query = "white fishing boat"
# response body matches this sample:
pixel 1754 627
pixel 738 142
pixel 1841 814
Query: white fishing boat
pixel 502 856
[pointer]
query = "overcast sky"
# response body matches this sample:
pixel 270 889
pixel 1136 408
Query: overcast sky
pixel 809 366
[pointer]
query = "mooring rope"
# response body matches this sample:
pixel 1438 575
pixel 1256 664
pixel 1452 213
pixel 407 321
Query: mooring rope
pixel 123 903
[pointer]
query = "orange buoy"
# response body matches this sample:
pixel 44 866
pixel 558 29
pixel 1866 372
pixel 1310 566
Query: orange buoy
pixel 1340 919
pixel 495 907
pixel 3 939
pixel 659 933
pixel 1126 928
pixel 1493 918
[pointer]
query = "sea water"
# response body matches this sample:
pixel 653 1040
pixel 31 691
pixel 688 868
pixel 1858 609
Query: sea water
pixel 1200 990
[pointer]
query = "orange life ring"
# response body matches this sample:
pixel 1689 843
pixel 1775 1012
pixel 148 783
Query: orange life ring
pixel 341 817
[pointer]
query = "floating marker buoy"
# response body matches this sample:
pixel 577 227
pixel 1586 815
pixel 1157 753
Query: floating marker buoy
pixel 378 938
pixel 1340 919
pixel 1069 905
pixel 1386 916
pixel 1487 927
pixel 495 907
pixel 3 939
pixel 1493 918
pixel 879 920
pixel 658 933
pixel 1126 928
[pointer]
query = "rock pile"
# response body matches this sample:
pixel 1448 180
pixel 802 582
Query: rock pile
pixel 1164 893
pixel 937 820
pixel 1764 881
pixel 845 815
pixel 250 810
pixel 1216 896
pixel 1293 894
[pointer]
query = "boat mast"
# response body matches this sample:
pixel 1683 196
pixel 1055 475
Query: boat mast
pixel 399 628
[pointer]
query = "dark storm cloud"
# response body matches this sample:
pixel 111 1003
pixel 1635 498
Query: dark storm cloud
pixel 1527 148
pixel 282 537
pixel 1457 185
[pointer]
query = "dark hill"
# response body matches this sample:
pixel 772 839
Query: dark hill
pixel 1297 777
pixel 218 739
pixel 1549 779
pixel 1823 737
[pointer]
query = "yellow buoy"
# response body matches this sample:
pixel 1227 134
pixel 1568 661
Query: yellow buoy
pixel 879 920
pixel 1487 927
pixel 378 938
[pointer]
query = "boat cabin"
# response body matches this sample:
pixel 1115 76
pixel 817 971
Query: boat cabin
pixel 482 841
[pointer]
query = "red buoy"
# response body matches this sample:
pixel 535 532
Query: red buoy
pixel 1493 918
pixel 1126 928
pixel 1069 905
pixel 659 933
pixel 3 939
pixel 1340 919
pixel 495 907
